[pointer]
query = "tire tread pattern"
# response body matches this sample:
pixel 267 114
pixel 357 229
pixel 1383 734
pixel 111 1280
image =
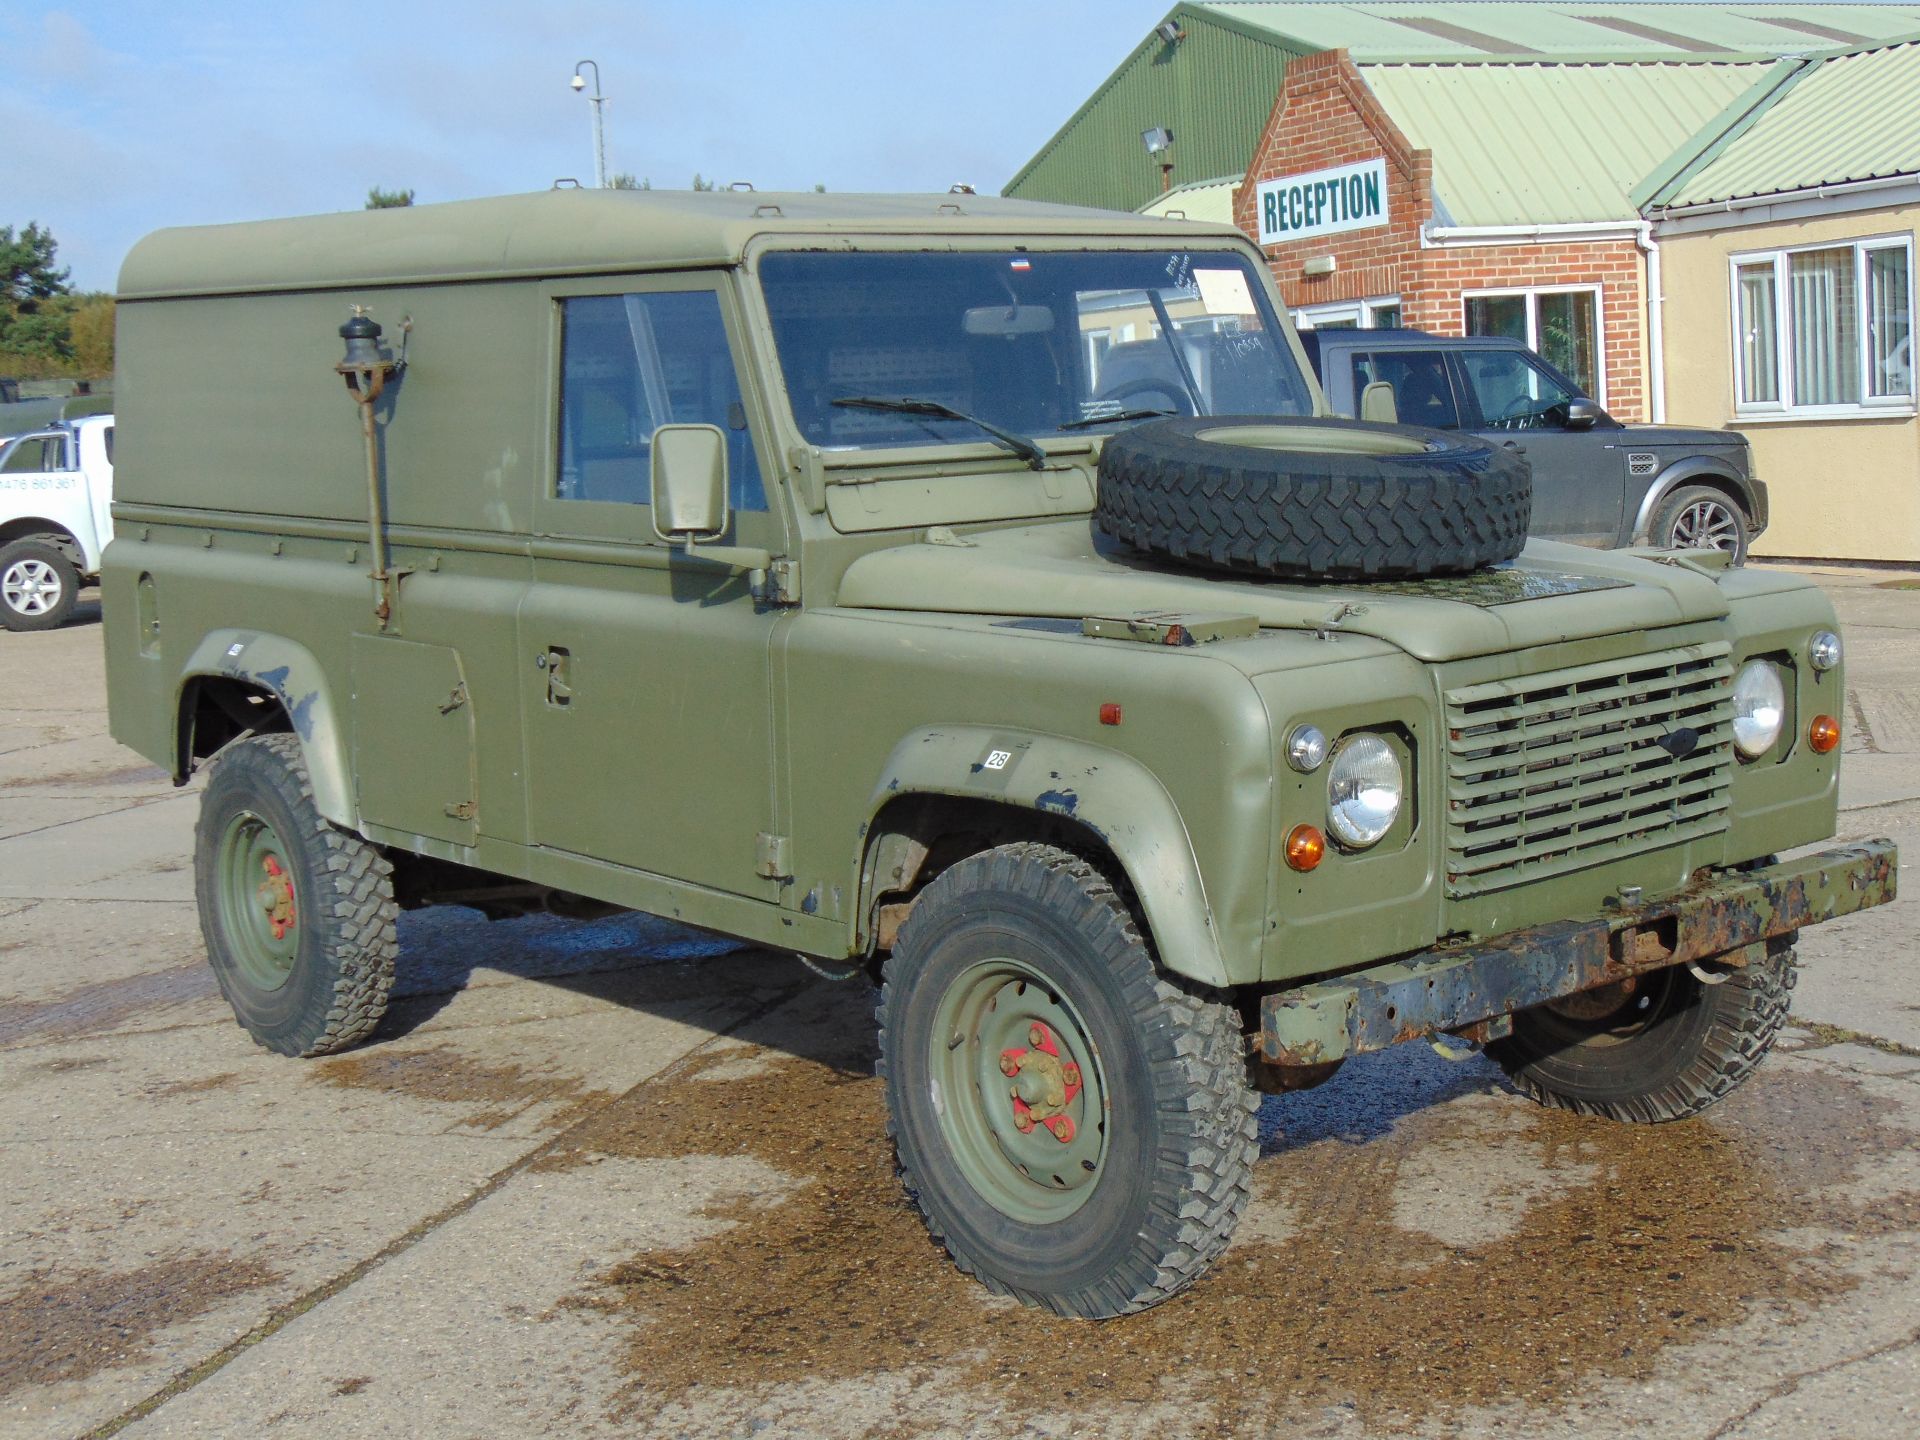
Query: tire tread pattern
pixel 357 910
pixel 1460 505
pixel 1203 1178
pixel 1749 1008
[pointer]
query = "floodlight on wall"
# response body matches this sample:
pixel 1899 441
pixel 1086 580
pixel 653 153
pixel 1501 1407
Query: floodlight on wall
pixel 1320 265
pixel 1170 31
pixel 1158 140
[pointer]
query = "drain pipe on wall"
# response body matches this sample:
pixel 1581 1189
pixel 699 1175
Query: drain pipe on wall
pixel 1656 327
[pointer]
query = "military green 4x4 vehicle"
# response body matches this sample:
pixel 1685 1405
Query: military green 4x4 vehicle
pixel 783 564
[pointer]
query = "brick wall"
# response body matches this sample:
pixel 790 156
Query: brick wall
pixel 1434 300
pixel 1324 116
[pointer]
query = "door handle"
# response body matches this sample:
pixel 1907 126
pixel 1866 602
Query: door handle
pixel 555 663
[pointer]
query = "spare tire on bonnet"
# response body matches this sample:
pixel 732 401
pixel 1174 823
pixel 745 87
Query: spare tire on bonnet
pixel 1313 499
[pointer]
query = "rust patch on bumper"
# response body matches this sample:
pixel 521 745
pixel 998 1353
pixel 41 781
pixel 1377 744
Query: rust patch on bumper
pixel 1470 990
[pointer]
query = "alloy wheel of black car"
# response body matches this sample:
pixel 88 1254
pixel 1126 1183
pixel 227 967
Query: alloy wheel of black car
pixel 1313 499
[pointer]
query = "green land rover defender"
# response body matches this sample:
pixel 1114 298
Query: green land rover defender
pixel 969 594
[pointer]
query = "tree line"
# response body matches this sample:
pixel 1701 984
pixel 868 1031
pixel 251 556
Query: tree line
pixel 48 330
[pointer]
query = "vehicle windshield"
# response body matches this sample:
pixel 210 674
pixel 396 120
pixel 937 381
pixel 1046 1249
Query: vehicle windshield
pixel 1034 342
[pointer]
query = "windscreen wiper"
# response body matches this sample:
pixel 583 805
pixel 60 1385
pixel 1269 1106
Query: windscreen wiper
pixel 1114 418
pixel 1035 457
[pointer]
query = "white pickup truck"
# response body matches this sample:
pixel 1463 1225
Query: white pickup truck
pixel 56 484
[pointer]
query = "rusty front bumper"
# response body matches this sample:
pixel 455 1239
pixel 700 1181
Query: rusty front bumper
pixel 1471 990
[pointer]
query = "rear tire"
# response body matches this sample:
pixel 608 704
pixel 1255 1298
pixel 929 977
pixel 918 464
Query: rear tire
pixel 1122 1195
pixel 299 917
pixel 39 585
pixel 1668 1048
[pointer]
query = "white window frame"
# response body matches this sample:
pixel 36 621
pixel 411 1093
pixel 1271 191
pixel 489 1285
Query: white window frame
pixel 1364 313
pixel 1532 294
pixel 1867 406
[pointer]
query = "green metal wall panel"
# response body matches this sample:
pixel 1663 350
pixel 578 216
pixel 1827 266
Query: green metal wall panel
pixel 1214 90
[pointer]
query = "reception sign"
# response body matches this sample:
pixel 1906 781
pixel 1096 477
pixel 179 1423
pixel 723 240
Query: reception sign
pixel 1323 202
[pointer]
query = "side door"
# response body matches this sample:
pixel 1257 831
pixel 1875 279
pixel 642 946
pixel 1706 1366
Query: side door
pixel 645 672
pixel 1515 401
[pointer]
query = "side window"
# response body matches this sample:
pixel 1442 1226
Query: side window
pixel 34 454
pixel 630 364
pixel 1512 391
pixel 1422 391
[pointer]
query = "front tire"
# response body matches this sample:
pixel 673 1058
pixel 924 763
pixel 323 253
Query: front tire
pixel 1077 1130
pixel 1699 517
pixel 1664 1046
pixel 39 585
pixel 299 917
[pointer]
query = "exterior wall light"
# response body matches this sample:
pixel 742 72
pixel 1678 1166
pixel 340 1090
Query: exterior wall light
pixel 1170 31
pixel 1321 265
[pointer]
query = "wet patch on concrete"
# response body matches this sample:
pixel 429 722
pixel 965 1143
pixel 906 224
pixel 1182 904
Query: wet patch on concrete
pixel 444 1075
pixel 200 1085
pixel 91 779
pixel 1628 1241
pixel 106 1004
pixel 62 1326
pixel 71 1063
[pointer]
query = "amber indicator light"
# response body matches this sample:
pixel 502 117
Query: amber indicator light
pixel 1823 734
pixel 1109 713
pixel 1305 847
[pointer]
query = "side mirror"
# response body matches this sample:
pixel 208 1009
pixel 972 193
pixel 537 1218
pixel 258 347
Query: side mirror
pixel 1378 405
pixel 1583 414
pixel 690 483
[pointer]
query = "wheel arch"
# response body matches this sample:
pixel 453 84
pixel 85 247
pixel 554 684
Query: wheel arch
pixel 937 788
pixel 1697 471
pixel 243 681
pixel 29 527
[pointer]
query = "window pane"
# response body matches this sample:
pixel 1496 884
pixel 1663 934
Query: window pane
pixel 1421 390
pixel 1502 315
pixel 1823 321
pixel 1512 391
pixel 1386 317
pixel 1568 327
pixel 1759 346
pixel 1890 321
pixel 630 364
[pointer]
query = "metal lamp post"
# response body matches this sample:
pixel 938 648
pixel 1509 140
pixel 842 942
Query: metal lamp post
pixel 599 132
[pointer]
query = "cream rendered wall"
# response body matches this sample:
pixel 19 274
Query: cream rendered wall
pixel 1839 489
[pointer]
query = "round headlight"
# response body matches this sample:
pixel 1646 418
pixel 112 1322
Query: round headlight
pixel 1364 788
pixel 1306 748
pixel 1759 707
pixel 1823 650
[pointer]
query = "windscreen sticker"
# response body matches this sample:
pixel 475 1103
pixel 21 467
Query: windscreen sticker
pixel 1225 292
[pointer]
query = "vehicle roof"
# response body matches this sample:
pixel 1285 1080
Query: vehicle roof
pixel 577 231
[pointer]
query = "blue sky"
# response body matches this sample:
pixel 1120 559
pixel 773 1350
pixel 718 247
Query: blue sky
pixel 119 118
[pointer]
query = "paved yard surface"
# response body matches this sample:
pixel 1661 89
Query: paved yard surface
pixel 616 1178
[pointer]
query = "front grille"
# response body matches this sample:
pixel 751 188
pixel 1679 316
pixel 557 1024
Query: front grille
pixel 1555 772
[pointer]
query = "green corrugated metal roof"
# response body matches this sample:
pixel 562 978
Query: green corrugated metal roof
pixel 1215 88
pixel 1551 144
pixel 1208 200
pixel 1504 29
pixel 1844 116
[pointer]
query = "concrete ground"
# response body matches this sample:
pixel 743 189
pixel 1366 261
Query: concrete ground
pixel 613 1178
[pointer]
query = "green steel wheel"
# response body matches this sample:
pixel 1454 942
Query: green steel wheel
pixel 1025 1116
pixel 1076 1129
pixel 299 917
pixel 259 908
